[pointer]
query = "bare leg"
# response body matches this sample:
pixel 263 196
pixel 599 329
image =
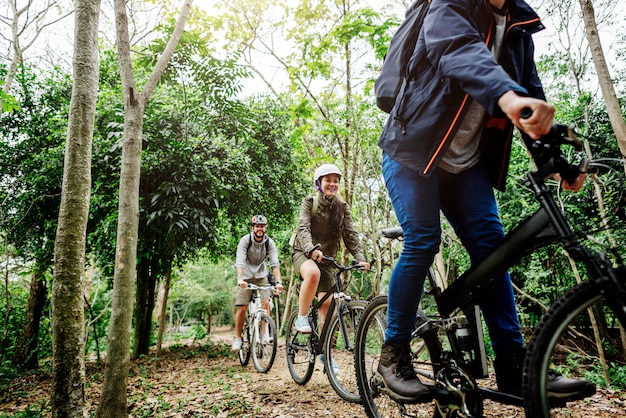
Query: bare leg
pixel 310 274
pixel 240 315
pixel 324 308
pixel 265 303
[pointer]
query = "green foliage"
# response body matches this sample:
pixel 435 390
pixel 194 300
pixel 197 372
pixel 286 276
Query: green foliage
pixel 199 332
pixel 617 374
pixel 16 318
pixel 198 139
pixel 98 313
pixel 9 103
pixel 202 289
pixel 31 162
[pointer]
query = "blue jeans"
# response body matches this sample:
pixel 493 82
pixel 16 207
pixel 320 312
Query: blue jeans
pixel 468 202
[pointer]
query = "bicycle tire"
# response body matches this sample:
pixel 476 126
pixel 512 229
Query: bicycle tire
pixel 369 340
pixel 244 351
pixel 263 355
pixel 562 343
pixel 300 355
pixel 343 380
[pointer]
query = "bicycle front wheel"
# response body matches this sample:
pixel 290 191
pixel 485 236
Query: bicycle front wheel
pixel 264 343
pixel 244 351
pixel 339 352
pixel 580 336
pixel 370 337
pixel 300 355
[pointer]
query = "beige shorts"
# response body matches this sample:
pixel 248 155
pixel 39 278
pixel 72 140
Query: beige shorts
pixel 243 295
pixel 327 278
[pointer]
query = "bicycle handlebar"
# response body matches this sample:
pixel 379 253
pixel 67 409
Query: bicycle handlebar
pixel 252 286
pixel 546 151
pixel 341 267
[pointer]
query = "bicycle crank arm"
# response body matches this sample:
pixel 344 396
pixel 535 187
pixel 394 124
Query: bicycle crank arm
pixel 501 397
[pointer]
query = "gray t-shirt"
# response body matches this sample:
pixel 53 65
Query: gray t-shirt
pixel 251 256
pixel 464 151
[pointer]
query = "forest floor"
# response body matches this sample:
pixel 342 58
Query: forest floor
pixel 206 380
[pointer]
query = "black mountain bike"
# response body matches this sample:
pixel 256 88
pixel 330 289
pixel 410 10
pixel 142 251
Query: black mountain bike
pixel 447 346
pixel 335 340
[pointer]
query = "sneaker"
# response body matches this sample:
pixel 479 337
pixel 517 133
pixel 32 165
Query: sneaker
pixel 398 375
pixel 333 365
pixel 302 324
pixel 265 339
pixel 236 345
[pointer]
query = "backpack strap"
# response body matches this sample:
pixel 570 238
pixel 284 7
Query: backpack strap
pixel 316 202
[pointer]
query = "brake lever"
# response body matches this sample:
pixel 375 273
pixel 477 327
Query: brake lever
pixel 568 135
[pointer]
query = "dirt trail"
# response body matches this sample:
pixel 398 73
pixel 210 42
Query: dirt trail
pixel 188 380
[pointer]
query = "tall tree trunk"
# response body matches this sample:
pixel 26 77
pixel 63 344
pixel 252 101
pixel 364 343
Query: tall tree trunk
pixel 142 314
pixel 162 312
pixel 145 297
pixel 26 353
pixel 608 93
pixel 604 77
pixel 113 397
pixel 68 333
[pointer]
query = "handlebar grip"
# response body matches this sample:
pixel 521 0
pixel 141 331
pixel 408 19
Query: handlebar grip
pixel 526 113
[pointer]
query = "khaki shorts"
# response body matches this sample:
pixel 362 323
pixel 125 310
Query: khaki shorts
pixel 327 279
pixel 243 295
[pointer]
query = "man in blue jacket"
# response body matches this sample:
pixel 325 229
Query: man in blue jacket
pixel 445 146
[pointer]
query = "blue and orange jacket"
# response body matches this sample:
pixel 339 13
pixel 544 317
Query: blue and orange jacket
pixel 448 68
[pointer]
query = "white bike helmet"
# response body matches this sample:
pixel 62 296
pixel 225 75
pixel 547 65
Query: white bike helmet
pixel 326 169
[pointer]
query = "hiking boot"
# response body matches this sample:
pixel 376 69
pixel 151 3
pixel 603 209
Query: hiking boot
pixel 566 389
pixel 509 367
pixel 509 378
pixel 302 324
pixel 398 374
pixel 236 345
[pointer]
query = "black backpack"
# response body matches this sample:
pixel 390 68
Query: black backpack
pixel 391 77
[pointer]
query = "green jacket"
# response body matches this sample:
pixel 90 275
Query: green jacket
pixel 313 230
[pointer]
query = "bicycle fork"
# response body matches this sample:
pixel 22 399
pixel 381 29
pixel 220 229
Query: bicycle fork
pixel 341 308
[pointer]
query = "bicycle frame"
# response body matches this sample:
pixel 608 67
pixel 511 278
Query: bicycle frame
pixel 457 358
pixel 337 293
pixel 546 226
pixel 255 308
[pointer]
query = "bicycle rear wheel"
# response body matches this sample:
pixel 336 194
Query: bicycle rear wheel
pixel 264 343
pixel 244 351
pixel 565 342
pixel 300 355
pixel 369 340
pixel 339 353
